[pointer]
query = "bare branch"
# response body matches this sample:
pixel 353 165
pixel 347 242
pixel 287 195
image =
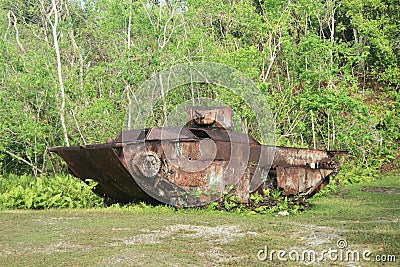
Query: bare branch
pixel 59 71
pixel 129 24
pixel 77 127
pixel 9 25
pixel 23 160
pixel 14 23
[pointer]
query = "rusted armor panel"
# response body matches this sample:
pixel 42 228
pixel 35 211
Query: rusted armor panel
pixel 169 163
pixel 102 164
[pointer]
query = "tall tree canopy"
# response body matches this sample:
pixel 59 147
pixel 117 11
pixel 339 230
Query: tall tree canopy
pixel 69 68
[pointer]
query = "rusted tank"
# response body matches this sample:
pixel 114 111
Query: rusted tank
pixel 197 163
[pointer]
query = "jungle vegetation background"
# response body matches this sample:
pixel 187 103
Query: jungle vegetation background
pixel 330 71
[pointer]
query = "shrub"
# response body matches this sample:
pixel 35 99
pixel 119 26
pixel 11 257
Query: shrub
pixel 45 192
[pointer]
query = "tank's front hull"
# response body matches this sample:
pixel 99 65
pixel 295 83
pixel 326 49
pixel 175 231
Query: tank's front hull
pixel 167 171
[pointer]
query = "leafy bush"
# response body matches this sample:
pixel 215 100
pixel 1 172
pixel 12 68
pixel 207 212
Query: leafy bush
pixel 45 192
pixel 267 202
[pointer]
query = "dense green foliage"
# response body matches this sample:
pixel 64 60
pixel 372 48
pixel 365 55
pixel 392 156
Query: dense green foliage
pixel 65 191
pixel 335 63
pixel 45 192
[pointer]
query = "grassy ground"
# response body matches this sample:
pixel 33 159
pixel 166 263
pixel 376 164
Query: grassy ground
pixel 365 219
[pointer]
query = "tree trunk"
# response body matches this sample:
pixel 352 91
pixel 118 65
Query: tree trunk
pixel 59 71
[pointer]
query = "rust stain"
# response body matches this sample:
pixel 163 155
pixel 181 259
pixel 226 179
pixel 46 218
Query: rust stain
pixel 205 153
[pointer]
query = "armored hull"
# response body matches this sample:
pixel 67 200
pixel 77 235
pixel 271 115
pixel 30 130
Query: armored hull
pixel 196 164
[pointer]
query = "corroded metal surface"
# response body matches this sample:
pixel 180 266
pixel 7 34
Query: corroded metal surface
pixel 168 163
pixel 303 170
pixel 220 117
pixel 102 164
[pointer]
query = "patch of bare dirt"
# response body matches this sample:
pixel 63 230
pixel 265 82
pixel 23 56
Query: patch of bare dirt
pixel 55 247
pixel 216 236
pixel 391 166
pixel 221 234
pixel 382 190
pixel 133 257
pixel 315 236
pixel 322 238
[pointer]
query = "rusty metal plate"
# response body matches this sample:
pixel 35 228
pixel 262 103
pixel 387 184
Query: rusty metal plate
pixel 287 156
pixel 131 135
pixel 169 133
pixel 229 136
pixel 168 163
pixel 294 180
pixel 102 164
pixel 208 115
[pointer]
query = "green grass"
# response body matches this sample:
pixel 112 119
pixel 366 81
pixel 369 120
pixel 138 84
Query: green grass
pixel 161 236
